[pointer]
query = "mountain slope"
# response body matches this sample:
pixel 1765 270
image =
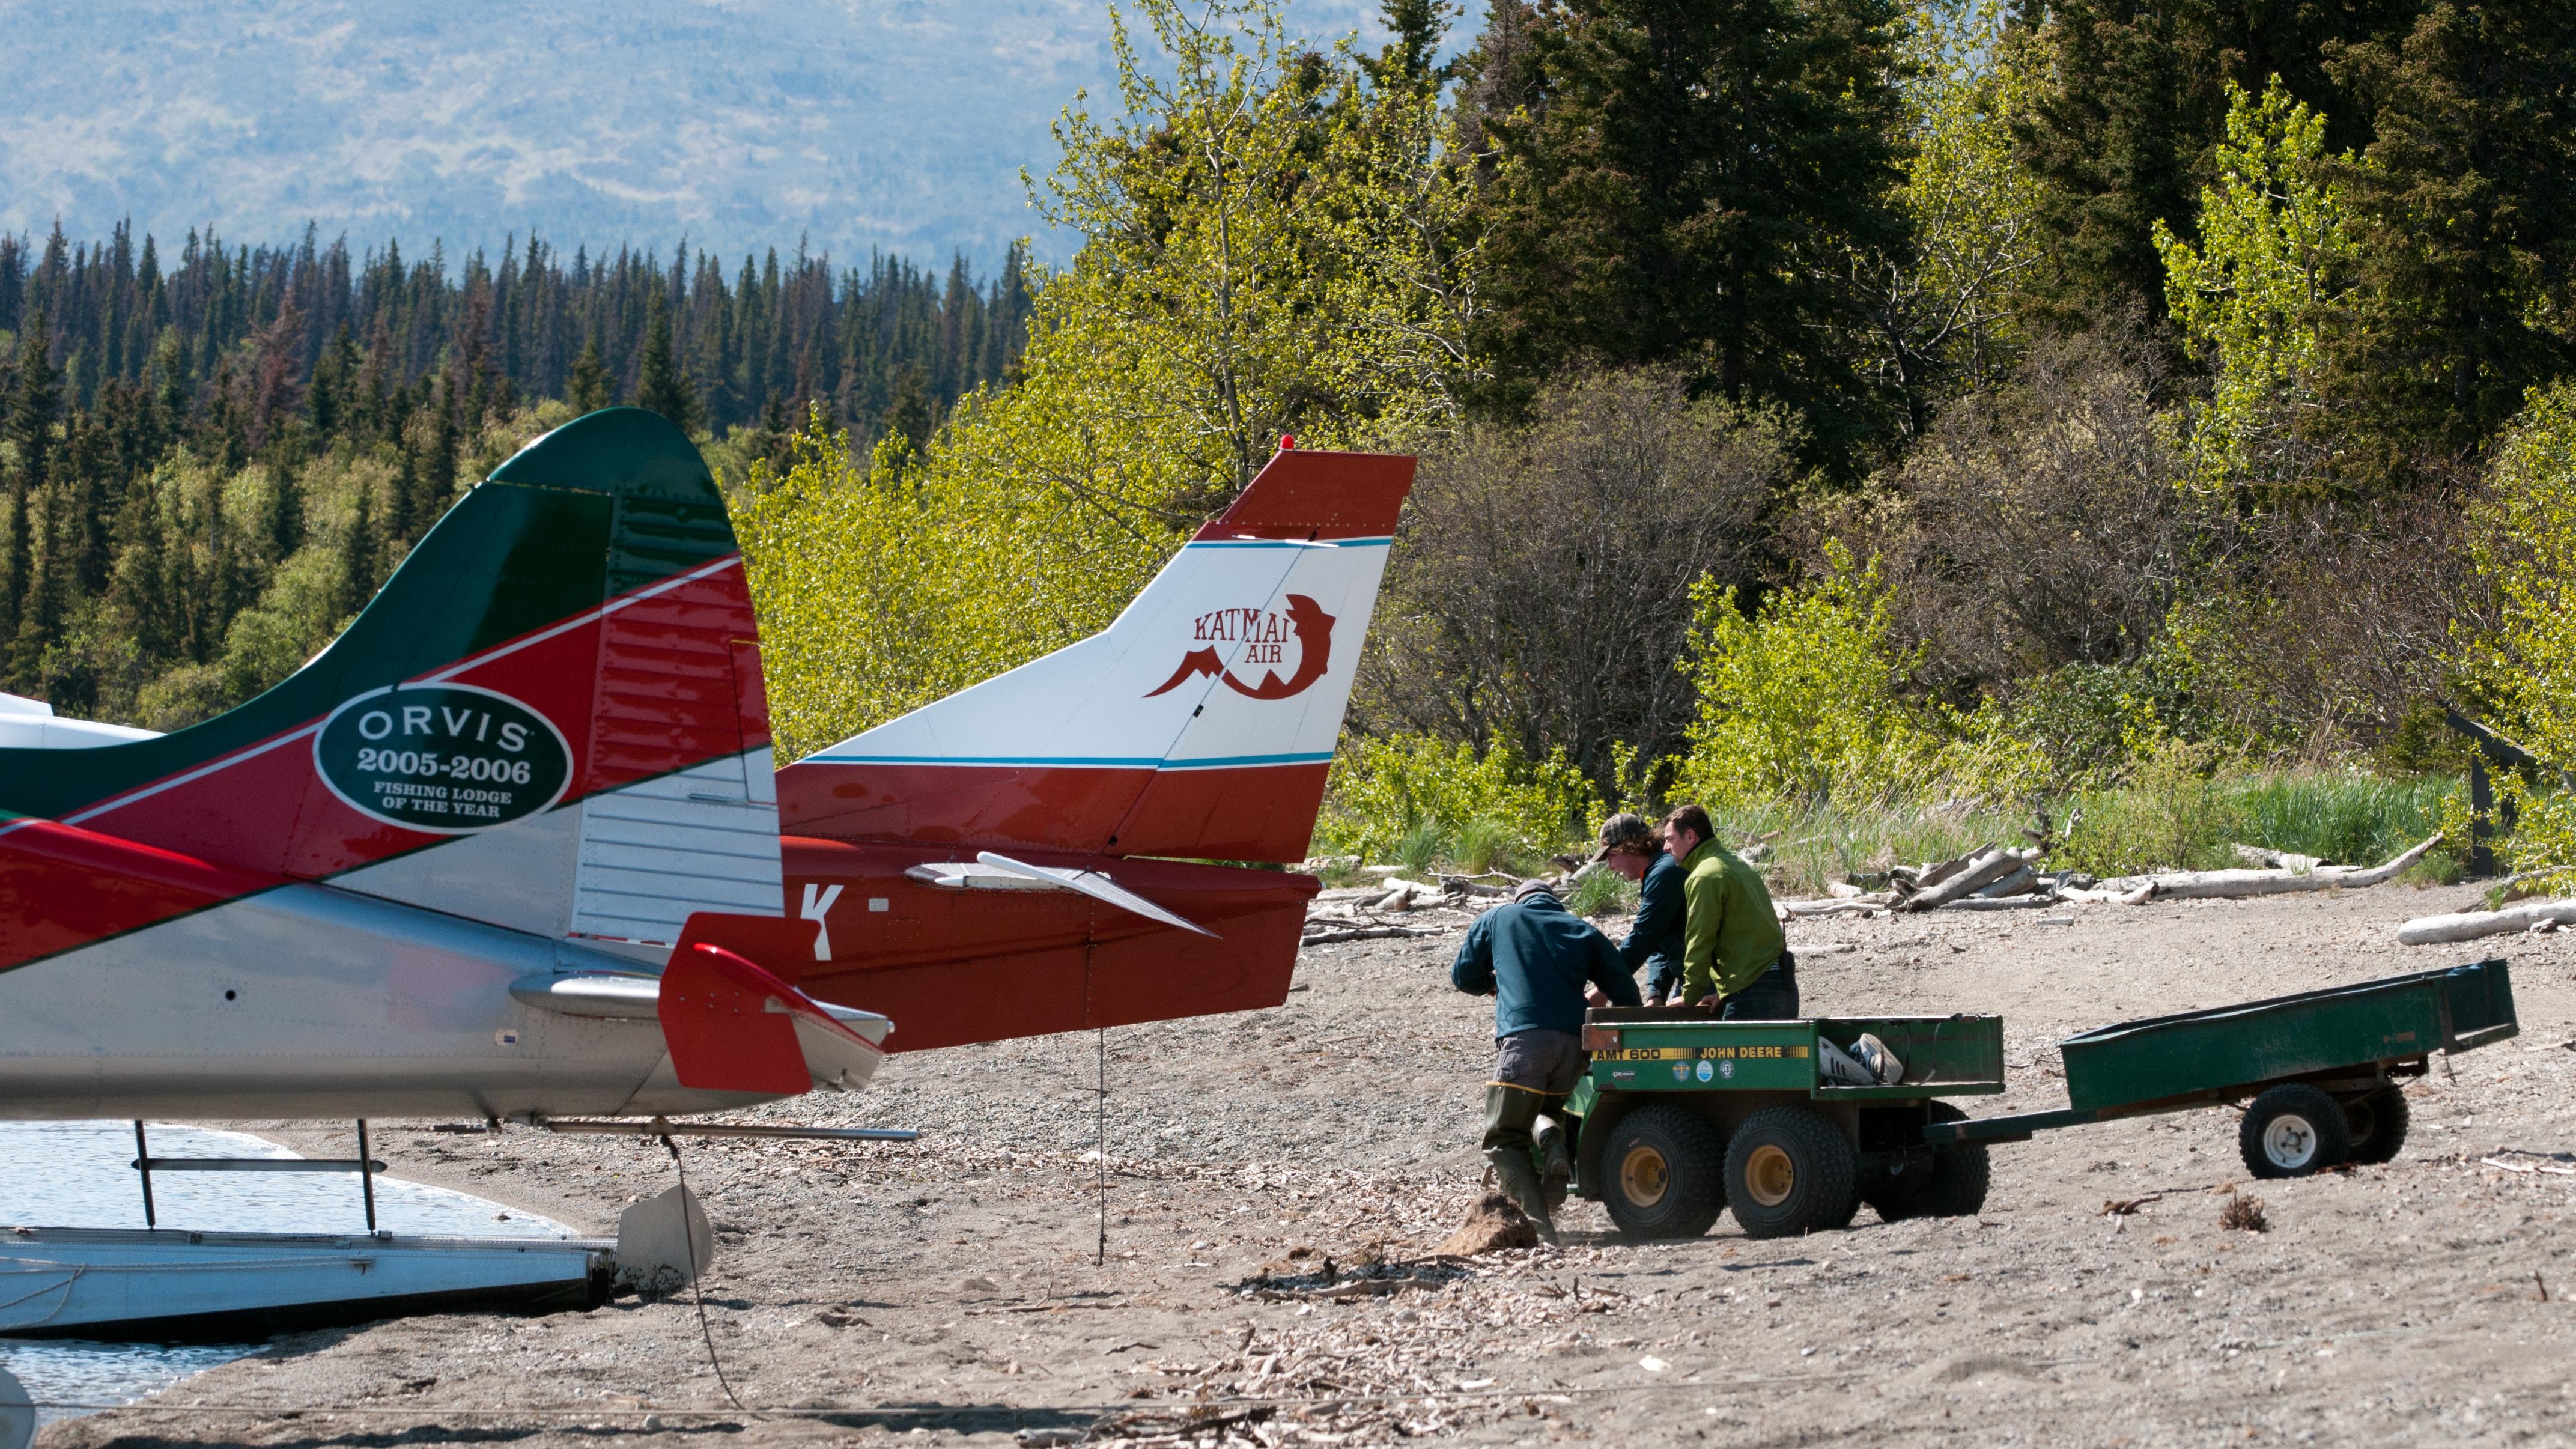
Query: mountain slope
pixel 735 123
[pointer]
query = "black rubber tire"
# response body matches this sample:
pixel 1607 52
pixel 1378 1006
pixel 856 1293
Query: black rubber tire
pixel 1798 1160
pixel 1898 1196
pixel 1960 1175
pixel 1951 1184
pixel 1681 1148
pixel 2293 1130
pixel 2375 1125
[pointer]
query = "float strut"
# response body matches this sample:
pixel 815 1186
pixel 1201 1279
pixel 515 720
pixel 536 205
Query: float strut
pixel 366 1175
pixel 143 1164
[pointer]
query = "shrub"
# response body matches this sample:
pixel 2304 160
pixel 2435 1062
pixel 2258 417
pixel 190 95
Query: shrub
pixel 1801 701
pixel 2523 543
pixel 1410 794
pixel 2171 814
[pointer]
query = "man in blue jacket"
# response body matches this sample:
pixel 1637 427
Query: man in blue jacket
pixel 1534 957
pixel 1631 847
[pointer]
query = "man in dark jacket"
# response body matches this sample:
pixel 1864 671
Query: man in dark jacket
pixel 1534 957
pixel 1630 846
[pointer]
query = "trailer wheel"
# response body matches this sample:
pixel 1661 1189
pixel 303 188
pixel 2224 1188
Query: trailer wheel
pixel 2376 1124
pixel 1960 1175
pixel 1660 1172
pixel 1949 1184
pixel 1898 1195
pixel 2291 1131
pixel 1789 1170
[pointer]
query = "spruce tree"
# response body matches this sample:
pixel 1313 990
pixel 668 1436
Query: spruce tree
pixel 908 419
pixel 358 548
pixel 2466 205
pixel 49 589
pixel 659 383
pixel 18 565
pixel 589 388
pixel 437 481
pixel 34 403
pixel 285 512
pixel 327 402
pixel 1681 189
pixel 138 591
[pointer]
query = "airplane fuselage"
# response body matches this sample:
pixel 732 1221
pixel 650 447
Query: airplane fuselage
pixel 310 1001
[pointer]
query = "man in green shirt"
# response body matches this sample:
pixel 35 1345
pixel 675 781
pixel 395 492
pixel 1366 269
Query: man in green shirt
pixel 1733 952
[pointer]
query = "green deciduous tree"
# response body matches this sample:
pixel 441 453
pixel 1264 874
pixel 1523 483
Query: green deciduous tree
pixel 2253 298
pixel 2523 666
pixel 1265 230
pixel 1943 311
pixel 1805 699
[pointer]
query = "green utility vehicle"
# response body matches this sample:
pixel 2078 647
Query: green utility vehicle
pixel 1683 1116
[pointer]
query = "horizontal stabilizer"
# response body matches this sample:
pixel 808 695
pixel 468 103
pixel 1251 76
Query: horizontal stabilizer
pixel 735 1025
pixel 1095 885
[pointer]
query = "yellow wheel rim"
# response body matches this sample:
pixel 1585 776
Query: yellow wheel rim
pixel 1769 1176
pixel 1644 1176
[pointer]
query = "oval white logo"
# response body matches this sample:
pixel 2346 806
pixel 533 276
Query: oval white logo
pixel 446 759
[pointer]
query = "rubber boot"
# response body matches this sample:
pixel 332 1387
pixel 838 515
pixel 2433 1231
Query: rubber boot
pixel 1555 1161
pixel 1509 1113
pixel 1519 1178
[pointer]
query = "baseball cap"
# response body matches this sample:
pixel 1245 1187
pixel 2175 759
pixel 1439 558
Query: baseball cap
pixel 1625 831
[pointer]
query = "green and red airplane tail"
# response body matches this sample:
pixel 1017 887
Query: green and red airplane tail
pixel 550 719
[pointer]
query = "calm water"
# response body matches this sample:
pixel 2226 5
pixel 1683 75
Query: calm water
pixel 76 1175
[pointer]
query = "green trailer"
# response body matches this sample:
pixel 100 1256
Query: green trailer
pixel 2321 1072
pixel 1681 1116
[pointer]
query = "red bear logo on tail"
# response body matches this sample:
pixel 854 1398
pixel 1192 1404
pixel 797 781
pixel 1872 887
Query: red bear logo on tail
pixel 1314 630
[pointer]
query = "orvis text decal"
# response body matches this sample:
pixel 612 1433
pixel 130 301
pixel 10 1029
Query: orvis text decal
pixel 444 758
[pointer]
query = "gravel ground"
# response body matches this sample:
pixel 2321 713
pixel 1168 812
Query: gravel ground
pixel 1270 1176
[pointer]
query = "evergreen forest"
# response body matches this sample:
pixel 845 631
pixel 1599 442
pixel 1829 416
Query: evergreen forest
pixel 214 458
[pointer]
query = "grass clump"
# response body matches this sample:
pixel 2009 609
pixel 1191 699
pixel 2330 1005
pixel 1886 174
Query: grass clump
pixel 1602 893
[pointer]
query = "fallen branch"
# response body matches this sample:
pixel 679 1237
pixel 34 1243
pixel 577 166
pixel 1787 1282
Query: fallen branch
pixel 2020 882
pixel 2192 885
pixel 2470 925
pixel 2263 857
pixel 2000 903
pixel 1365 933
pixel 1849 905
pixel 2502 891
pixel 2527 1167
pixel 2115 893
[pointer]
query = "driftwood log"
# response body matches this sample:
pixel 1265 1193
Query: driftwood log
pixel 2117 893
pixel 1943 885
pixel 2470 925
pixel 1848 906
pixel 2002 903
pixel 2194 885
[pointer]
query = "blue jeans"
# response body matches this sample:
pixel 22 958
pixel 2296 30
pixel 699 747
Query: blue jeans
pixel 1773 996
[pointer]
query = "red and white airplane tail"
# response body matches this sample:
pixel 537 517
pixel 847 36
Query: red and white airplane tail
pixel 436 869
pixel 983 867
pixel 1200 724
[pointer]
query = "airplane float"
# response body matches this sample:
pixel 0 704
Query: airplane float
pixel 513 845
